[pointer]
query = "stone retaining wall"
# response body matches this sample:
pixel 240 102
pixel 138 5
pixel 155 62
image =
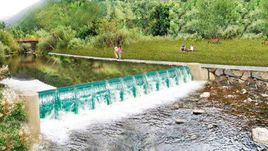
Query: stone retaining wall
pixel 237 76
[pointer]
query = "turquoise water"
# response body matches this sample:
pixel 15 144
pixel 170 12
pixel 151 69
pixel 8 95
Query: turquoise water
pixel 106 92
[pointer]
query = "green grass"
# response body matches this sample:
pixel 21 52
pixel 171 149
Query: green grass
pixel 232 52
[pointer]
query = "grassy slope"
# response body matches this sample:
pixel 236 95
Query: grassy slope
pixel 233 52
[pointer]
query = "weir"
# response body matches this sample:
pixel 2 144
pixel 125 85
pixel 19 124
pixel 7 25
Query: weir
pixel 95 94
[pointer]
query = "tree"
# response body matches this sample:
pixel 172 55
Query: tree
pixel 2 25
pixel 160 20
pixel 8 40
pixel 265 16
pixel 215 16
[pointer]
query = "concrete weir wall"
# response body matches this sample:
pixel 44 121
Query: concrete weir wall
pixel 31 102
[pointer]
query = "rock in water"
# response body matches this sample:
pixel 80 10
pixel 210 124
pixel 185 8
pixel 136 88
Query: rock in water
pixel 205 95
pixel 198 112
pixel 210 126
pixel 180 121
pixel 260 135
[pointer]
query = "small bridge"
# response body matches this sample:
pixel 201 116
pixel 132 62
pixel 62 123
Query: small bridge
pixel 33 42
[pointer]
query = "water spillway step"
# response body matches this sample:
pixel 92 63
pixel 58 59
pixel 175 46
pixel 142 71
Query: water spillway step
pixel 106 92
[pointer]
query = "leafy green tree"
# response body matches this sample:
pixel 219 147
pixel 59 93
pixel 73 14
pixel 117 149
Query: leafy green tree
pixel 265 16
pixel 160 20
pixel 2 25
pixel 214 16
pixel 8 40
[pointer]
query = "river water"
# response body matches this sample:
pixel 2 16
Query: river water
pixel 154 129
pixel 143 124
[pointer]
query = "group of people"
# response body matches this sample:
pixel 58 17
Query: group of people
pixel 184 48
pixel 118 52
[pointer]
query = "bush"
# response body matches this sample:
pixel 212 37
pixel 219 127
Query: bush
pixel 12 134
pixel 8 40
pixel 111 33
pixel 231 32
pixel 76 43
pixel 25 47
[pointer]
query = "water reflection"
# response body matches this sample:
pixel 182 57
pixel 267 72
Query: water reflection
pixel 60 71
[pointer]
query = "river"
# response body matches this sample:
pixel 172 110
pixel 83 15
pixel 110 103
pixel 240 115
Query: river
pixel 146 123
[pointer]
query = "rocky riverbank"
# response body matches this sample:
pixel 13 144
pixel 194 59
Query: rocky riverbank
pixel 219 117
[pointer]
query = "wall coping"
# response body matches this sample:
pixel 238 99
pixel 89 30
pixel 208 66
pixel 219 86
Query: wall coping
pixel 216 66
pixel 232 67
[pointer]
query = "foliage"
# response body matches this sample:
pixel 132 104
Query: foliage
pixel 58 38
pixel 76 43
pixel 107 23
pixel 8 40
pixel 160 20
pixel 214 15
pixel 12 134
pixel 3 49
pixel 265 17
pixel 112 33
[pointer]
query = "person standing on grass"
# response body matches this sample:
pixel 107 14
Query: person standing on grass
pixel 116 52
pixel 119 52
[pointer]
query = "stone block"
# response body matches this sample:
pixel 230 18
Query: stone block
pixel 246 76
pixel 260 75
pixel 211 76
pixel 219 72
pixel 233 73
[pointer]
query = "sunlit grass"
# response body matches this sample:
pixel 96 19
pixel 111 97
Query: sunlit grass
pixel 233 52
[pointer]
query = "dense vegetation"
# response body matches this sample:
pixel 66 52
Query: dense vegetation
pixel 13 137
pixel 72 24
pixel 93 24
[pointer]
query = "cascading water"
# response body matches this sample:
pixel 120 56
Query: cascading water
pixel 92 95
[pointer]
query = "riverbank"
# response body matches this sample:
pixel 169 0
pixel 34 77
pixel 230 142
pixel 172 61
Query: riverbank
pixel 250 52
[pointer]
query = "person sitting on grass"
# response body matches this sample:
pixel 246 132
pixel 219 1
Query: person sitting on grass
pixel 192 48
pixel 183 47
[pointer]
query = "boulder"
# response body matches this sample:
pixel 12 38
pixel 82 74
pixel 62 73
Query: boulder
pixel 260 76
pixel 180 121
pixel 205 95
pixel 246 76
pixel 219 72
pixel 260 135
pixel 198 112
pixel 233 73
pixel 240 81
pixel 212 70
pixel 211 76
pixel 210 126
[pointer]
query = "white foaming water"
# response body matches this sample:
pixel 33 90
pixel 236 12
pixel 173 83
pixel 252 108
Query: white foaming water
pixel 26 85
pixel 58 130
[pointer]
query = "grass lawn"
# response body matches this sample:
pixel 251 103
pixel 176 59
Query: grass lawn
pixel 232 52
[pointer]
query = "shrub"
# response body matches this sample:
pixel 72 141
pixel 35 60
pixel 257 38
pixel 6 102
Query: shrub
pixel 8 40
pixel 25 47
pixel 12 118
pixel 231 32
pixel 76 43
